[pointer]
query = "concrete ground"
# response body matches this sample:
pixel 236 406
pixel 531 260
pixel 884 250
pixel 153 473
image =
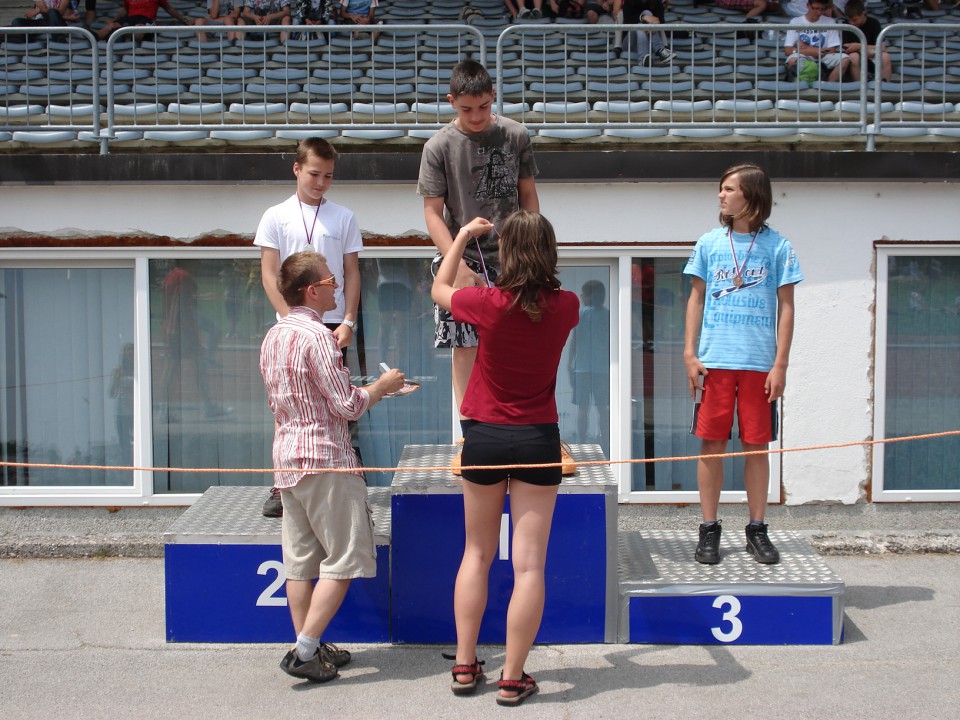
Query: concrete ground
pixel 85 639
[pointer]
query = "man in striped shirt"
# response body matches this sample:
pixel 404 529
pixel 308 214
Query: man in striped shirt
pixel 327 533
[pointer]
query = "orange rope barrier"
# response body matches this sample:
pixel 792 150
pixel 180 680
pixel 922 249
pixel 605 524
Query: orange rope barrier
pixel 632 461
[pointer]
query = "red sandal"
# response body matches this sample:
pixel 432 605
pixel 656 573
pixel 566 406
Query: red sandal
pixel 524 687
pixel 475 670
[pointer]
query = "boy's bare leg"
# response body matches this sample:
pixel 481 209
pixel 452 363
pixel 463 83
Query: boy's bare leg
pixel 756 478
pixel 463 360
pixel 312 607
pixel 710 477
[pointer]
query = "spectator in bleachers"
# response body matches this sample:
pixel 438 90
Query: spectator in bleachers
pixel 647 12
pixel 753 8
pixel 360 12
pixel 267 12
pixel 836 9
pixel 599 11
pixel 139 12
pixel 567 9
pixel 219 13
pixel 44 13
pixel 316 12
pixel 820 46
pixel 870 27
pixel 524 9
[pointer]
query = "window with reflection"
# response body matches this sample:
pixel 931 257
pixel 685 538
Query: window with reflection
pixel 583 380
pixel 397 329
pixel 207 322
pixel 67 391
pixel 922 380
pixel 661 407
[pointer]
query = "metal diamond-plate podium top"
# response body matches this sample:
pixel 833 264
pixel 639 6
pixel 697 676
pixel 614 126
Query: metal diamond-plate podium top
pixel 412 480
pixel 233 516
pixel 663 560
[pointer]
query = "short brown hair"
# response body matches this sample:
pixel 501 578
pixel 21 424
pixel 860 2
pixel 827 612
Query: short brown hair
pixel 297 272
pixel 854 8
pixel 469 77
pixel 316 145
pixel 755 186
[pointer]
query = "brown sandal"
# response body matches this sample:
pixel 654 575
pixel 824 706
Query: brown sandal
pixel 524 687
pixel 475 670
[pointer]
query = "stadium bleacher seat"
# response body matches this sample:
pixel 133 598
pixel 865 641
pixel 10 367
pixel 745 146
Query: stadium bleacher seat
pixel 43 137
pixel 257 112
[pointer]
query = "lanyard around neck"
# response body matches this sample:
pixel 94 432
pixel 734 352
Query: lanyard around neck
pixel 738 268
pixel 309 233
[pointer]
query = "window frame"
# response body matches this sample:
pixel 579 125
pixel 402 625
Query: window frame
pixel 883 253
pixel 616 257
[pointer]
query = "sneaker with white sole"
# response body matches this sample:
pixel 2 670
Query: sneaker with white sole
pixel 664 56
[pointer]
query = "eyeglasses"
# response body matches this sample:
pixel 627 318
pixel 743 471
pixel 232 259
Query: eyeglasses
pixel 326 281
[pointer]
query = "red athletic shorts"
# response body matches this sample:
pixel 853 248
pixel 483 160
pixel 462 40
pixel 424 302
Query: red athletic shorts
pixel 724 390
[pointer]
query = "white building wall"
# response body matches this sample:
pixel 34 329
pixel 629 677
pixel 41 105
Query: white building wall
pixel 832 226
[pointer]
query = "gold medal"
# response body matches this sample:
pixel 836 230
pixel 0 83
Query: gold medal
pixel 737 281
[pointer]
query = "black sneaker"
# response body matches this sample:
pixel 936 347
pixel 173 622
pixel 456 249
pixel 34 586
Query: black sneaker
pixel 273 507
pixel 664 55
pixel 759 545
pixel 708 549
pixel 316 669
pixel 334 655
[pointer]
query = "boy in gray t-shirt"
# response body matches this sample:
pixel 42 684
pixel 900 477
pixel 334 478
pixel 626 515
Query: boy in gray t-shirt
pixel 479 165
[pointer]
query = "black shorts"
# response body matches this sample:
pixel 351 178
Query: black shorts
pixel 489 444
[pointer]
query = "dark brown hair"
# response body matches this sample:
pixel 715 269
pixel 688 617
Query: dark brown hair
pixel 755 186
pixel 528 260
pixel 853 8
pixel 470 78
pixel 297 272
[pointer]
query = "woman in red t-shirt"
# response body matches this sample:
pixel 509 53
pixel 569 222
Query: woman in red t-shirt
pixel 523 321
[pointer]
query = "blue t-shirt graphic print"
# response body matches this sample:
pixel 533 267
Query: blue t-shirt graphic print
pixel 739 330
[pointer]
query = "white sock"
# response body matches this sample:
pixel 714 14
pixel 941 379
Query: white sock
pixel 306 647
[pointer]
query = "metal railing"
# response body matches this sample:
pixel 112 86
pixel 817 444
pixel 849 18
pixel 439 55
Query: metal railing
pixel 65 100
pixel 927 103
pixel 561 80
pixel 715 82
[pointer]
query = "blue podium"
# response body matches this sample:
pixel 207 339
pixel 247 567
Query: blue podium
pixel 667 597
pixel 225 582
pixel 428 539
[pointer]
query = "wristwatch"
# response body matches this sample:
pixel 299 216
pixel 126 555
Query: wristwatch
pixel 350 324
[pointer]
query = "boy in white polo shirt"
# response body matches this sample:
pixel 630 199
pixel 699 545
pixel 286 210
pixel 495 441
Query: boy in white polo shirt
pixel 308 220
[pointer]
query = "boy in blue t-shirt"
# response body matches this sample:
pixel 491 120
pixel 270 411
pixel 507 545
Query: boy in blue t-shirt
pixel 741 308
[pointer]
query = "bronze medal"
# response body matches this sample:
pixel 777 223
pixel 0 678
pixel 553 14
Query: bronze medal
pixel 737 267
